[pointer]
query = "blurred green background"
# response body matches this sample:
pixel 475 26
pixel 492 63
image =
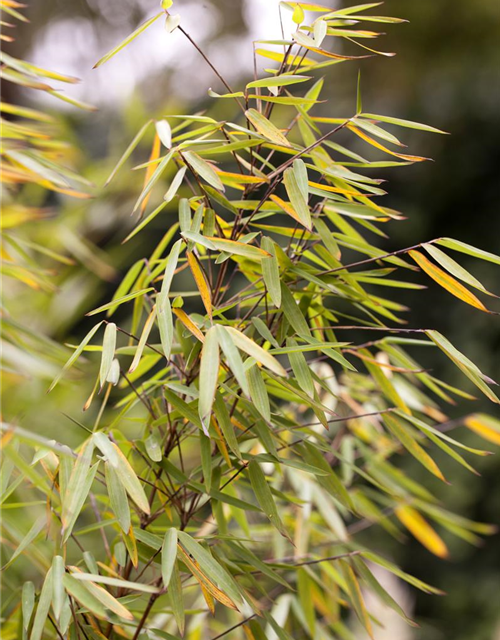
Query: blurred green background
pixel 446 73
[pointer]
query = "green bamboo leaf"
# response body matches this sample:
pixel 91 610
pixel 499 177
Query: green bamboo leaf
pixel 143 340
pixel 86 599
pixel 209 373
pixel 77 353
pixel 409 442
pixel 128 39
pixel 224 422
pixel 33 532
pixel 457 245
pixel 277 81
pixel 293 178
pixel 27 603
pixel 175 184
pixel 57 585
pixel 154 179
pixel 206 460
pixel 293 313
pixel 266 128
pixel 168 556
pixel 300 369
pixel 247 345
pixel 125 473
pixel 108 352
pixel 264 496
pixel 210 566
pixel 176 599
pixel 401 123
pixel 258 392
pixel 464 364
pixel 453 267
pixel 356 597
pixel 116 303
pixel 233 357
pixel 117 498
pixel 128 151
pixel 271 272
pixel 78 488
pixel 204 169
pixel 115 582
pixel 42 610
pixel 153 448
pixel 166 326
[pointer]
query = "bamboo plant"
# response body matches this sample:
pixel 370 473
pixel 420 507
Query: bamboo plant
pixel 257 388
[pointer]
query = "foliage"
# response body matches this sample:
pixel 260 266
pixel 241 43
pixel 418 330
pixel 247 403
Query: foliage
pixel 247 432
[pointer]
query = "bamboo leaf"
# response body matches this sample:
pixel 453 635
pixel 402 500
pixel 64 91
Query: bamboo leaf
pixel 168 556
pixel 264 496
pixel 247 345
pixel 128 39
pixel 42 610
pixel 485 426
pixel 201 282
pixel 233 357
pixel 446 281
pixel 209 373
pixel 175 184
pixel 271 273
pixel 143 339
pixel 266 128
pixel 258 392
pixel 421 529
pixel 463 247
pixel 124 472
pixel 278 81
pixel 57 585
pixel 74 357
pixel 27 603
pixel 204 169
pixel 117 498
pixel 128 151
pixel 293 179
pixel 108 352
pixel 114 304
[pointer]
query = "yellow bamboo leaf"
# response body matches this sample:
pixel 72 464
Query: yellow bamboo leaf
pixel 376 144
pixel 204 580
pixel 485 426
pixel 286 206
pixel 201 282
pixel 422 530
pixel 189 324
pixel 446 281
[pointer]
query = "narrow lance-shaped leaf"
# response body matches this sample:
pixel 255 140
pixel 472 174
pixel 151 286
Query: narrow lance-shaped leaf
pixel 270 272
pixel 42 610
pixel 27 603
pixel 128 151
pixel 117 497
pixel 421 529
pixel 250 347
pixel 57 585
pixel 201 282
pixel 75 355
pixel 453 267
pixel 266 128
pixel 264 496
pixel 108 352
pixel 233 357
pixel 125 473
pixel 446 281
pixel 209 373
pixel 293 179
pixel 168 556
pixel 175 184
pixel 143 339
pixel 128 39
pixel 258 392
pixel 204 169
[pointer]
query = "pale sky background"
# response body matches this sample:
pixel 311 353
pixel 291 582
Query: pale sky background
pixel 74 45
